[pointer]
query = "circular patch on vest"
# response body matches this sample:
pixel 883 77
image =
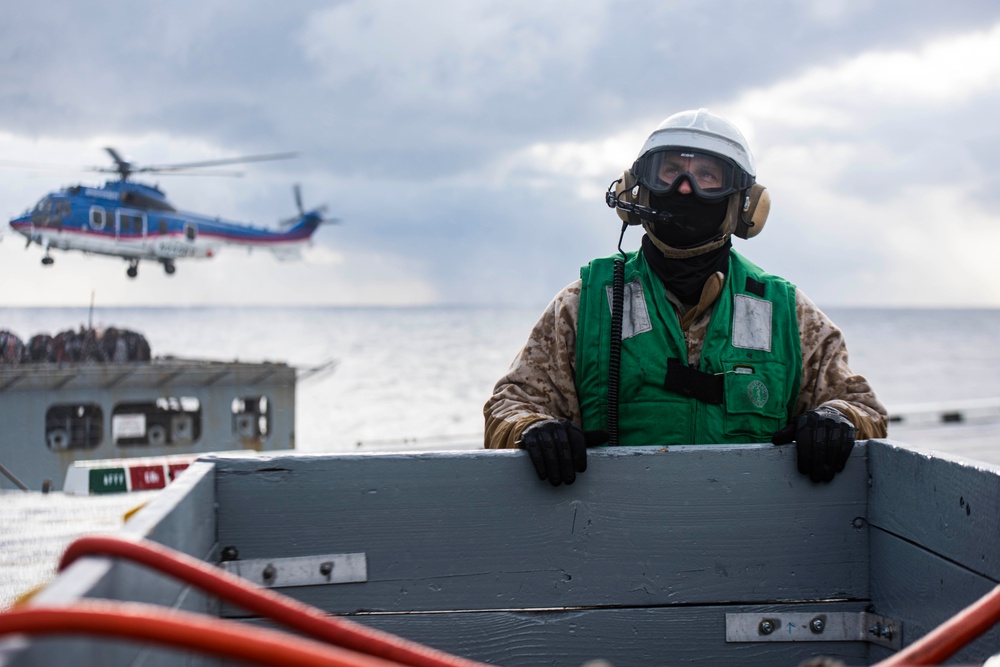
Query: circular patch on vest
pixel 757 393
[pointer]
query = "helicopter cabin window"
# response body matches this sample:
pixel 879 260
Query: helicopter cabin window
pixel 74 426
pixel 166 421
pixel 131 223
pixel 190 231
pixel 162 227
pixel 97 217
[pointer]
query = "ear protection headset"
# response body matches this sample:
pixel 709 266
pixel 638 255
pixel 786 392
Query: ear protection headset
pixel 700 131
pixel 753 215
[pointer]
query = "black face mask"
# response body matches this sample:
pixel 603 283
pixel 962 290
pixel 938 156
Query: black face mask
pixel 685 278
pixel 694 220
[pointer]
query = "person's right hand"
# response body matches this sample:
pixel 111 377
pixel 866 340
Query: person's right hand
pixel 557 449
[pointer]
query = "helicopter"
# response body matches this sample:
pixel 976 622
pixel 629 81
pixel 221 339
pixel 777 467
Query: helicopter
pixel 134 221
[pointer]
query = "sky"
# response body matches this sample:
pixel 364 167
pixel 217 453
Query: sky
pixel 466 145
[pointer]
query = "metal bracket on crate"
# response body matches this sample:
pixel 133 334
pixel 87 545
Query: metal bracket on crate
pixel 301 570
pixel 814 627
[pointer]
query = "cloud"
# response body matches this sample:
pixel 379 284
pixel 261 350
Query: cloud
pixel 854 95
pixel 873 163
pixel 467 146
pixel 452 56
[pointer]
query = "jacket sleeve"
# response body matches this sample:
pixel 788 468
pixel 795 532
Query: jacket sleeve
pixel 540 382
pixel 827 380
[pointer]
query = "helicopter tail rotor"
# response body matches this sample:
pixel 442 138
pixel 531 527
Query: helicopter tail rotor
pixel 319 210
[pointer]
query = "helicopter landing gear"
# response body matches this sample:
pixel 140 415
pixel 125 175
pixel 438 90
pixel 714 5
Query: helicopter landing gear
pixel 47 261
pixel 168 266
pixel 133 268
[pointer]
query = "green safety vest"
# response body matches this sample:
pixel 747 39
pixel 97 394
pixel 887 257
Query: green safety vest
pixel 752 343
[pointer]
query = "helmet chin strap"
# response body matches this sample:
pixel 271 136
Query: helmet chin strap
pixel 671 252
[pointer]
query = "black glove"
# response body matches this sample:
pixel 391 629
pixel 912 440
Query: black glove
pixel 823 439
pixel 558 449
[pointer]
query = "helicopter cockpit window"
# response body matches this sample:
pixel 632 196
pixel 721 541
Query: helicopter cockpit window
pixel 96 217
pixel 49 212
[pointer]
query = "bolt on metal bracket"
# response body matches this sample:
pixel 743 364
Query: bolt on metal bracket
pixel 301 570
pixel 814 627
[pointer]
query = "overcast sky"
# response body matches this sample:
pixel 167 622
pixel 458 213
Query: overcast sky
pixel 466 145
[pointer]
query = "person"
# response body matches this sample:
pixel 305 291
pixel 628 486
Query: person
pixel 683 341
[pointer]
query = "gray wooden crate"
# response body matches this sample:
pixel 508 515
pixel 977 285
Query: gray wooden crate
pixel 638 562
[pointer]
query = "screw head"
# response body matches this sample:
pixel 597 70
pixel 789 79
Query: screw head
pixel 816 625
pixel 766 626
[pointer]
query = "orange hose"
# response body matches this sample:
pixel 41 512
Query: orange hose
pixel 948 638
pixel 264 602
pixel 183 630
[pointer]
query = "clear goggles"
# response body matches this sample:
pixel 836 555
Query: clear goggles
pixel 710 176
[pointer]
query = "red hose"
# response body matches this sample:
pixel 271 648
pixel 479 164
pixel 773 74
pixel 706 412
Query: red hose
pixel 264 602
pixel 183 630
pixel 954 634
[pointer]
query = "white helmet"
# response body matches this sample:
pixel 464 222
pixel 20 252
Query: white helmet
pixel 704 131
pixel 695 135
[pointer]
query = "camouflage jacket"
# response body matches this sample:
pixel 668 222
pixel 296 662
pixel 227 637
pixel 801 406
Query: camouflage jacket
pixel 540 382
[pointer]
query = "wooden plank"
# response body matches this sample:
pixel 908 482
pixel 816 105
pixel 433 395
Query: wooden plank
pixel 945 504
pixel 183 516
pixel 478 530
pixel 625 637
pixel 922 589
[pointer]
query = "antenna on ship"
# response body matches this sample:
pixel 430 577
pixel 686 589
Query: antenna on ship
pixel 90 315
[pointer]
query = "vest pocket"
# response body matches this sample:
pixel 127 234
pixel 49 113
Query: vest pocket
pixel 755 399
pixel 657 423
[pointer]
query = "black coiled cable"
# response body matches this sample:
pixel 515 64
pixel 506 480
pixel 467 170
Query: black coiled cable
pixel 615 352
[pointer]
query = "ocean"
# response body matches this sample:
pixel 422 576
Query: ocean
pixel 417 377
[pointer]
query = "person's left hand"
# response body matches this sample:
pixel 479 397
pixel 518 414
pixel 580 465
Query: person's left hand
pixel 557 449
pixel 823 439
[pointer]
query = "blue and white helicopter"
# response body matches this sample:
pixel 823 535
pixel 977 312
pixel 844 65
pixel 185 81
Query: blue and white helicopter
pixel 134 221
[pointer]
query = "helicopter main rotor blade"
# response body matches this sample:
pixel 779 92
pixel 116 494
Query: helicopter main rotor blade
pixel 212 163
pixel 237 174
pixel 41 165
pixel 115 156
pixel 125 168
